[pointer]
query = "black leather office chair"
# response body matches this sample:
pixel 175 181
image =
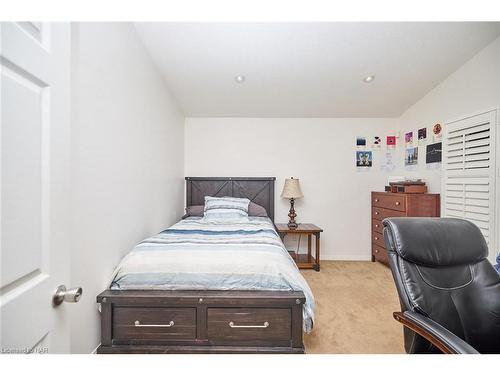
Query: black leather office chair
pixel 449 292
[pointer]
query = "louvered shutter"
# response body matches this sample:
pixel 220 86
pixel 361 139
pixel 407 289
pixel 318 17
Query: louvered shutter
pixel 468 178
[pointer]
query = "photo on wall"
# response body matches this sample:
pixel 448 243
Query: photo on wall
pixel 411 156
pixel 377 142
pixel 437 131
pixel 422 134
pixel 409 138
pixel 363 159
pixel 391 141
pixel 361 141
pixel 388 161
pixel 434 153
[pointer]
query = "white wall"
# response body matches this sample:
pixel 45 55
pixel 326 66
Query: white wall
pixel 472 89
pixel 321 153
pixel 318 151
pixel 127 141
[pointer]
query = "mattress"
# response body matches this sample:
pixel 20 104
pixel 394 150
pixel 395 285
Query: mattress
pixel 198 255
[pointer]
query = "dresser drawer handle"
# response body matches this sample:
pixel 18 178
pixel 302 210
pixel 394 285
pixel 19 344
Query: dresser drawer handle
pixel 376 251
pixel 376 238
pixel 138 324
pixel 376 200
pixel 376 213
pixel 397 203
pixel 376 225
pixel 232 325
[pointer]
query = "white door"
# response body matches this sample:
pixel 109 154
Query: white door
pixel 34 184
pixel 469 174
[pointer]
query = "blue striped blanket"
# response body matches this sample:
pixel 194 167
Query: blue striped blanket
pixel 196 255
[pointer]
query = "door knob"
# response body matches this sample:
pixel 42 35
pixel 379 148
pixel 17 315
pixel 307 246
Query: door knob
pixel 69 295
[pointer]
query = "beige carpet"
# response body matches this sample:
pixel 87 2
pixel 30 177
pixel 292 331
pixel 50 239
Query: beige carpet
pixel 354 306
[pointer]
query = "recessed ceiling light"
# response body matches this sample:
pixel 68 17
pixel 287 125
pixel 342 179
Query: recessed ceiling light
pixel 368 79
pixel 239 79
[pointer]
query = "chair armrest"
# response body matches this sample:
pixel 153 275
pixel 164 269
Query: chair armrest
pixel 439 336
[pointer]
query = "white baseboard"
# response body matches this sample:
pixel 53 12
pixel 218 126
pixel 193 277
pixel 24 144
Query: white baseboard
pixel 346 256
pixel 337 255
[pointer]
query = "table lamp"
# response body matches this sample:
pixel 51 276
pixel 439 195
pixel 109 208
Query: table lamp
pixel 291 190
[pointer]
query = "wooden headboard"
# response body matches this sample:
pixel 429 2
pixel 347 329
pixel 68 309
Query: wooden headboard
pixel 259 190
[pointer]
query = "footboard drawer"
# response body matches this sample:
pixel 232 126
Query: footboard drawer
pixel 154 323
pixel 201 321
pixel 248 325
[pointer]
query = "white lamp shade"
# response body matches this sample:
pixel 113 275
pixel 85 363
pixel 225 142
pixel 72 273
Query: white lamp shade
pixel 291 189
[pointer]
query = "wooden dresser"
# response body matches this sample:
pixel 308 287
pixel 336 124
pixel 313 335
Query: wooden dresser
pixel 396 205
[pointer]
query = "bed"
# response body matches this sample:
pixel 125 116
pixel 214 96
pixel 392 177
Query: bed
pixel 198 287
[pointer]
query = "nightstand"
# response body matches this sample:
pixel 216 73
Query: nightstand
pixel 303 261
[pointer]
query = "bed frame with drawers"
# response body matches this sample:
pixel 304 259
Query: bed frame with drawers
pixel 194 321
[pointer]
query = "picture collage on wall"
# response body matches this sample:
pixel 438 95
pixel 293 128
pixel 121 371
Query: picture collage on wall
pixel 367 147
pixel 432 149
pixel 428 137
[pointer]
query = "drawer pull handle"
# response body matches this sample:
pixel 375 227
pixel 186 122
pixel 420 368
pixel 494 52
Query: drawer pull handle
pixel 138 324
pixel 376 225
pixel 376 212
pixel 376 200
pixel 376 238
pixel 397 203
pixel 376 251
pixel 232 325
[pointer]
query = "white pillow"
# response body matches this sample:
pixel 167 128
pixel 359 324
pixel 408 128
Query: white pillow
pixel 226 209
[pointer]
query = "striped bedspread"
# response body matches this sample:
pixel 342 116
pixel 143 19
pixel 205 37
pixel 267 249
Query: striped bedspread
pixel 196 255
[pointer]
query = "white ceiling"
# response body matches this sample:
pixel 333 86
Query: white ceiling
pixel 308 69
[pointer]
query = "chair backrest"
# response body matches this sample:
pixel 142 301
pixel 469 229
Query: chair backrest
pixel 440 269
